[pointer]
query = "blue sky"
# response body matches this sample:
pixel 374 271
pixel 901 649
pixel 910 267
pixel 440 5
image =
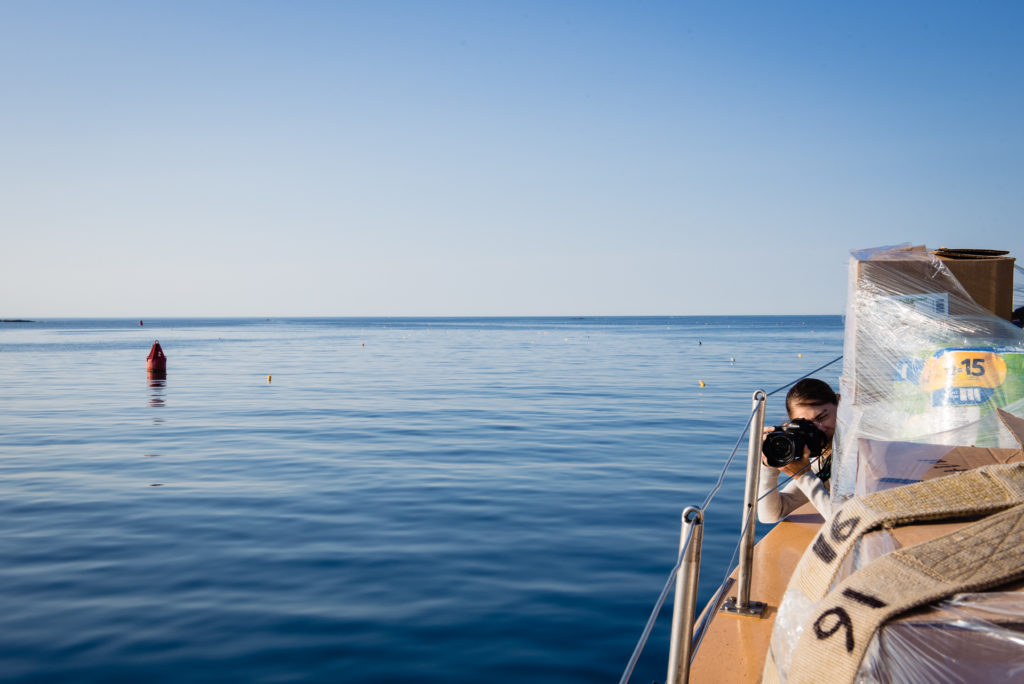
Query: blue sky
pixel 494 158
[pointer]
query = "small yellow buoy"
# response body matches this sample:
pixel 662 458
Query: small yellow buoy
pixel 268 378
pixel 799 356
pixel 701 383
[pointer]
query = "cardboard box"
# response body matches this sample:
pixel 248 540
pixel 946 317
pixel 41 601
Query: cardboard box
pixel 986 274
pixel 884 465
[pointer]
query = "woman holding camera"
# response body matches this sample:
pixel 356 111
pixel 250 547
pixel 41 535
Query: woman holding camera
pixel 814 401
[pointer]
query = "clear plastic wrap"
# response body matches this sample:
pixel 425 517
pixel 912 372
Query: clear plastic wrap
pixel 1018 296
pixel 925 367
pixel 923 362
pixel 967 638
pixel 1018 286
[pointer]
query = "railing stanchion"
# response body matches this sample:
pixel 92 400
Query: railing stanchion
pixel 684 611
pixel 742 604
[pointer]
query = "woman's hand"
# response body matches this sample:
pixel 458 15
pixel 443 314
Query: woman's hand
pixel 794 468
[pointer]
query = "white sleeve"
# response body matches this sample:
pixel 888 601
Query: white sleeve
pixel 814 489
pixel 775 504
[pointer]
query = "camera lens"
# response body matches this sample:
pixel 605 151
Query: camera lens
pixel 779 449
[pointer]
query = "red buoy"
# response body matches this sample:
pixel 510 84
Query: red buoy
pixel 156 362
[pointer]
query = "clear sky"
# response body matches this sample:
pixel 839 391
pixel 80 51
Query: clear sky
pixel 494 158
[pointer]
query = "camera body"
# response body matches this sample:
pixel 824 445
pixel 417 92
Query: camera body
pixel 786 442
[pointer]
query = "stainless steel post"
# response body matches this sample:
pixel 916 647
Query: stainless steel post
pixel 742 603
pixel 684 610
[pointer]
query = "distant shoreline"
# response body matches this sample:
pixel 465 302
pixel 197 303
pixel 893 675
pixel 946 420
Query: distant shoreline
pixel 15 320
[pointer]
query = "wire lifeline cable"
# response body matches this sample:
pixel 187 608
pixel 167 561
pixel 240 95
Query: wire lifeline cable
pixel 717 596
pixel 628 672
pixel 649 626
pixel 788 384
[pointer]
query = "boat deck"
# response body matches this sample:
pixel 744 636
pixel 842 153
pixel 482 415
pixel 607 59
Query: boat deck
pixel 734 647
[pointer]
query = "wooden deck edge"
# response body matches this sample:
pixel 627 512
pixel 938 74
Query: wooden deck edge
pixel 733 648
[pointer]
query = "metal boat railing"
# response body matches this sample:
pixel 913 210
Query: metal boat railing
pixel 742 605
pixel 684 611
pixel 686 635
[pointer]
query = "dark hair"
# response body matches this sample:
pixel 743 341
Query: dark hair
pixel 810 392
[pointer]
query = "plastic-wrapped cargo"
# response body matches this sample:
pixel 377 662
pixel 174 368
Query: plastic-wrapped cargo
pixel 932 385
pixel 924 362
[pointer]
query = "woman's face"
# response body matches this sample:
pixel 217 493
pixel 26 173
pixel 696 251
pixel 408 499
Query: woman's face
pixel 822 415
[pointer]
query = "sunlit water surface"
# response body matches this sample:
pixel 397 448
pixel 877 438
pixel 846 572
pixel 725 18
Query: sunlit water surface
pixel 368 500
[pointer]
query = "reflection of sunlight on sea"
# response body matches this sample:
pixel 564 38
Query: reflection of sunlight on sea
pixel 447 499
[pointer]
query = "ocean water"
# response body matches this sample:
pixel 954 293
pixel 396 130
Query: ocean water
pixel 368 500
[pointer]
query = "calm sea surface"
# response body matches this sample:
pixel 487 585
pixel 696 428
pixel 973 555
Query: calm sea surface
pixel 440 500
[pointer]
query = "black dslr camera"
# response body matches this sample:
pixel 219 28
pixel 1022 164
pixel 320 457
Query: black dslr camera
pixel 786 443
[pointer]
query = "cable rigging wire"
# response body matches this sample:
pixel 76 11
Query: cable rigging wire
pixel 649 626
